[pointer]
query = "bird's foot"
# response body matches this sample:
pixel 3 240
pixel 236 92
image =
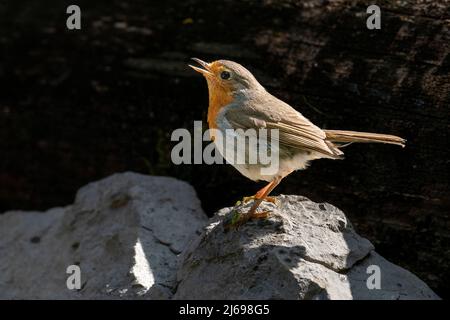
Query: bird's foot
pixel 260 215
pixel 255 197
pixel 239 219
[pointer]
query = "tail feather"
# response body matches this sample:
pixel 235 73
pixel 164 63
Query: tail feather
pixel 363 137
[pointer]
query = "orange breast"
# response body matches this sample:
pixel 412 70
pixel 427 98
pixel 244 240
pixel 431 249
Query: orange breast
pixel 219 97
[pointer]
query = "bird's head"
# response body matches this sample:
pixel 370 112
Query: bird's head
pixel 226 77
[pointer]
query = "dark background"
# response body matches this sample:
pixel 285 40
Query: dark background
pixel 76 106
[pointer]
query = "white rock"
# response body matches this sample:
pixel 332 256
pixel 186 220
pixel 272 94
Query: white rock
pixel 143 237
pixel 304 251
pixel 125 232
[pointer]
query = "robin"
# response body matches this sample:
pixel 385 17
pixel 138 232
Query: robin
pixel 238 101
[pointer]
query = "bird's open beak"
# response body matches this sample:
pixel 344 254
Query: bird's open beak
pixel 206 71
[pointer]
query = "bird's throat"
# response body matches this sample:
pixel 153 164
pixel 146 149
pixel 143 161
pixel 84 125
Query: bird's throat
pixel 218 98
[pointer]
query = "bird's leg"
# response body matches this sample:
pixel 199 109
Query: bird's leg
pixel 264 195
pixel 260 195
pixel 239 220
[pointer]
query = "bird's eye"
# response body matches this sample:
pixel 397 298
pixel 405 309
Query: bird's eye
pixel 225 75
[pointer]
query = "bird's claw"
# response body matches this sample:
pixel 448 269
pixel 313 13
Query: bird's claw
pixel 248 199
pixel 260 215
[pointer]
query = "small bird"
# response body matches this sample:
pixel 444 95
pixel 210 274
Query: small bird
pixel 238 101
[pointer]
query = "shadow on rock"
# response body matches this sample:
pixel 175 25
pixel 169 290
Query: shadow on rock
pixel 305 250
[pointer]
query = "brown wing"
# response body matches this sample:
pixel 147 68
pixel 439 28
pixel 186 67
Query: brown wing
pixel 295 130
